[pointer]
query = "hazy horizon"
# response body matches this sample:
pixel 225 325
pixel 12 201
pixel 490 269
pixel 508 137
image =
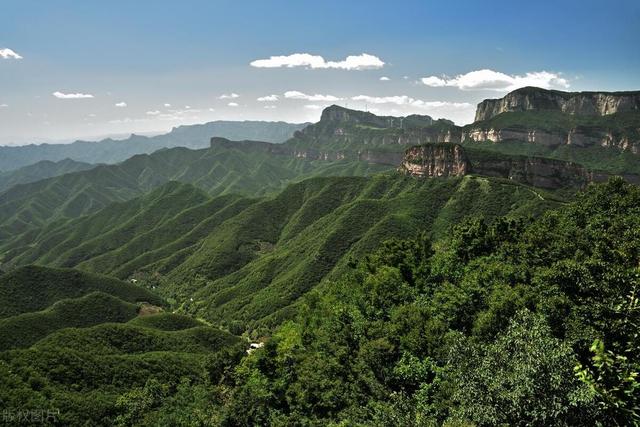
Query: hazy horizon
pixel 69 72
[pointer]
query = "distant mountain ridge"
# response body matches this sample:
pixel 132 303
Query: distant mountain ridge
pixel 41 170
pixel 114 151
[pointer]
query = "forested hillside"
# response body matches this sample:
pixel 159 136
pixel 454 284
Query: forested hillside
pixel 237 261
pixel 344 277
pixel 516 320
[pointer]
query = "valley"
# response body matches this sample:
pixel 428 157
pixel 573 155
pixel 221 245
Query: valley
pixel 384 265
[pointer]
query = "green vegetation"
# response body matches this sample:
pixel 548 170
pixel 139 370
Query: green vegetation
pixel 556 121
pixel 111 151
pixel 595 158
pixel 515 321
pixel 35 288
pixel 41 170
pixel 380 299
pixel 219 170
pixel 92 309
pixel 488 329
pixel 79 359
pixel 243 263
pixel 166 322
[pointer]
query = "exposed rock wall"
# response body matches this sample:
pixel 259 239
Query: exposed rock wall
pixel 578 136
pixel 435 160
pixel 451 160
pixel 578 103
pixel 371 156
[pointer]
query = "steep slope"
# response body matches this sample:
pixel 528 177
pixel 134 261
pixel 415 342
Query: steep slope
pixel 553 118
pixel 244 260
pixel 125 236
pixel 221 169
pixel 345 133
pixel 114 151
pixel 41 170
pixel 436 160
pixel 251 271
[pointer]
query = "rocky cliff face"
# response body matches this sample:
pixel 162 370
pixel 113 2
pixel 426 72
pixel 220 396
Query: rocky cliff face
pixel 434 160
pixel 578 136
pixel 451 160
pixel 371 156
pixel 576 103
pixel 342 127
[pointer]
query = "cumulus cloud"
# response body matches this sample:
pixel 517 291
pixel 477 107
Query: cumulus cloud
pixel 61 95
pixel 363 61
pixel 233 104
pixel 167 105
pixel 4 105
pixel 294 94
pixel 384 79
pixel 229 96
pixel 314 107
pixel 7 53
pixel 494 80
pixel 270 107
pixel 434 81
pixel 404 100
pixel 121 104
pixel 153 113
pixel 268 98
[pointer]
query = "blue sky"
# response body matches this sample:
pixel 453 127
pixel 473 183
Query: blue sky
pixel 188 54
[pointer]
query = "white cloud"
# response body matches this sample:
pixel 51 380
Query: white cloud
pixel 363 61
pixel 233 104
pixel 404 100
pixel 4 105
pixel 187 106
pixel 497 81
pixel 167 105
pixel 384 79
pixel 153 113
pixel 61 95
pixel 229 96
pixel 294 94
pixel 268 98
pixel 434 81
pixel 121 104
pixel 270 107
pixel 7 53
pixel 314 107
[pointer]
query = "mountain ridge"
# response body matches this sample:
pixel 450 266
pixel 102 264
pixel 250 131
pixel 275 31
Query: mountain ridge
pixel 112 151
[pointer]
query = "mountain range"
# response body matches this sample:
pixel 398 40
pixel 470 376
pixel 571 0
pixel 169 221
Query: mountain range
pixel 385 263
pixel 114 151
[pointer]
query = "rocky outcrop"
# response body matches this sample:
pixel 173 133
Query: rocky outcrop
pixel 443 160
pixel 434 160
pixel 579 136
pixel 371 156
pixel 339 126
pixel 576 103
